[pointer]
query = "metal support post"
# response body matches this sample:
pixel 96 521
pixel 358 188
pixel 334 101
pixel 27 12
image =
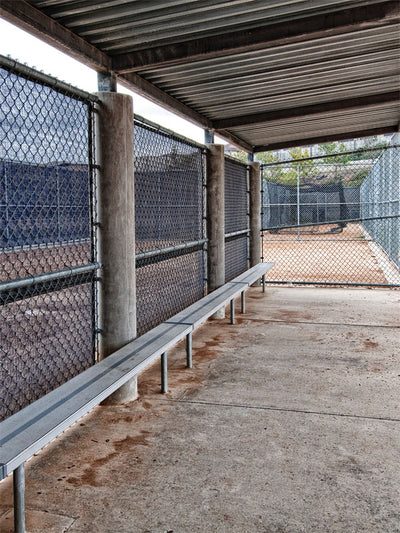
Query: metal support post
pixel 106 82
pixel 208 137
pixel 19 499
pixel 243 299
pixel 263 283
pixel 164 372
pixel 298 202
pixel 189 361
pixel 232 311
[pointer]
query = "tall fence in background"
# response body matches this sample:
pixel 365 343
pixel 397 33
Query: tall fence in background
pixel 47 242
pixel 333 219
pixel 170 225
pixel 236 218
pixel 380 202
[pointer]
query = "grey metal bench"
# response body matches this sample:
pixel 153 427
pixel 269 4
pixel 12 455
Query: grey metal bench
pixel 28 431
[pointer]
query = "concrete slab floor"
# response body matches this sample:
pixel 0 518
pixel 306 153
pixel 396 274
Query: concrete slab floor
pixel 288 422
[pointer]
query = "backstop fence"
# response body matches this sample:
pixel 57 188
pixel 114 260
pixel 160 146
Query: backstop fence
pixel 334 219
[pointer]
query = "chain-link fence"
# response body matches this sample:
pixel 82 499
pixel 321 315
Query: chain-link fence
pixel 333 219
pixel 170 231
pixel 47 248
pixel 380 207
pixel 236 218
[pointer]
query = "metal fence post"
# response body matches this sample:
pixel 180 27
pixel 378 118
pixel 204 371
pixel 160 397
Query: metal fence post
pixel 298 202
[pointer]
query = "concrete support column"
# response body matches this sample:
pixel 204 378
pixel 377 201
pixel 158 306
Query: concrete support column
pixel 116 207
pixel 216 219
pixel 255 214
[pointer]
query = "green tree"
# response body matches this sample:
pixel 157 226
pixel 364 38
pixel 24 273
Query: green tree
pixel 334 148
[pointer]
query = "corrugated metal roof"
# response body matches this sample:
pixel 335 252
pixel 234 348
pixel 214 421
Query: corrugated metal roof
pixel 121 26
pixel 217 60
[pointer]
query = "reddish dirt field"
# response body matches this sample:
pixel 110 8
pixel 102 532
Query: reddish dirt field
pixel 322 255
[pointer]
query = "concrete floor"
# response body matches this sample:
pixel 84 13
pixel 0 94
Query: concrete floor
pixel 288 422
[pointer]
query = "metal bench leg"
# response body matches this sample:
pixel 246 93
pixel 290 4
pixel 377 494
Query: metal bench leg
pixel 189 362
pixel 263 283
pixel 232 311
pixel 243 295
pixel 164 373
pixel 19 499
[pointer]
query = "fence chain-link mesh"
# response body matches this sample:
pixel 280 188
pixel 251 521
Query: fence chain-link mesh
pixel 236 218
pixel 46 243
pixel 170 230
pixel 334 219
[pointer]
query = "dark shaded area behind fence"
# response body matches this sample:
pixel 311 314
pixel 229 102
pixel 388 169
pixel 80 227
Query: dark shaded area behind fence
pixel 169 198
pixel 236 218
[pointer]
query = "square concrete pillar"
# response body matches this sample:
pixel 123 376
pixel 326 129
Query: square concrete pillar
pixel 116 208
pixel 255 214
pixel 216 219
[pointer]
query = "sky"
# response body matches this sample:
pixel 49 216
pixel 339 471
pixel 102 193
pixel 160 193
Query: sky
pixel 26 48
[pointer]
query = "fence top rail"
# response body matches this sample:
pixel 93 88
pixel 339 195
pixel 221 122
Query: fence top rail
pixel 339 154
pixel 235 160
pixel 45 79
pixel 157 128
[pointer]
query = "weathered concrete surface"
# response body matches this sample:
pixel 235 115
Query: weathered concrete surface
pixel 288 422
pixel 255 217
pixel 216 219
pixel 116 211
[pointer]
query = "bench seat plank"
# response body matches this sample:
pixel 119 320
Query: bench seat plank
pixel 46 418
pixel 28 431
pixel 255 273
pixel 198 312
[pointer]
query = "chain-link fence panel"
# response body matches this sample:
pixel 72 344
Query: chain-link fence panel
pixel 333 219
pixel 236 218
pixel 47 252
pixel 380 206
pixel 169 211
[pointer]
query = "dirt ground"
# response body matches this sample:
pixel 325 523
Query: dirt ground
pixel 320 254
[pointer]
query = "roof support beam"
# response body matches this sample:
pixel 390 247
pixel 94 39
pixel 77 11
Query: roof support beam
pixel 267 36
pixel 303 111
pixel 234 139
pixel 32 20
pixel 141 86
pixel 324 138
pixel 145 88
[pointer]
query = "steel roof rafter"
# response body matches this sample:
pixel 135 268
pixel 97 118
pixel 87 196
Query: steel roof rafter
pixel 260 38
pixel 326 107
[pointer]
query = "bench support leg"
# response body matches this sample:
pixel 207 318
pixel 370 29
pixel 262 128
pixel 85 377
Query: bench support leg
pixel 19 499
pixel 243 297
pixel 164 373
pixel 232 311
pixel 263 283
pixel 189 361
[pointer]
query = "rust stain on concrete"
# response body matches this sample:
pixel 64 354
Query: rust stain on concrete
pixel 369 344
pixel 92 473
